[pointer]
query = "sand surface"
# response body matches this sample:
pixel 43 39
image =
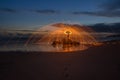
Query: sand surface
pixel 96 63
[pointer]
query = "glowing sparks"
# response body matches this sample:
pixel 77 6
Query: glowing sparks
pixel 75 33
pixel 68 37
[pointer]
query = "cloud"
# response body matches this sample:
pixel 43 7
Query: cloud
pixel 43 11
pixel 106 27
pixel 110 9
pixel 100 13
pixel 8 10
pixel 46 11
pixel 111 6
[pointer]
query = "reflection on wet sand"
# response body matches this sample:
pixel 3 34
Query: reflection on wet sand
pixel 69 47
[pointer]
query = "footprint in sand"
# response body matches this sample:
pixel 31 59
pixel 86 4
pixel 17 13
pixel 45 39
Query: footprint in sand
pixel 66 71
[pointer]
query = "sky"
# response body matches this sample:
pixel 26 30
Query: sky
pixel 32 14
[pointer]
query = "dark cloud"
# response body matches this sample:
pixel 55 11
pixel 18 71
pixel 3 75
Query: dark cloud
pixel 46 11
pixel 103 27
pixel 100 13
pixel 111 5
pixel 109 9
pixel 8 10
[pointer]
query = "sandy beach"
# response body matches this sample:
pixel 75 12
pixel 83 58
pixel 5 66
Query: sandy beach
pixel 96 63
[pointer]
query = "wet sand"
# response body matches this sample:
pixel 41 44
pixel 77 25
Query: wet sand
pixel 96 63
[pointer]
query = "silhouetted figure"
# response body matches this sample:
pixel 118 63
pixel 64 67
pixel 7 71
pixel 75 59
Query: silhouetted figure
pixel 66 43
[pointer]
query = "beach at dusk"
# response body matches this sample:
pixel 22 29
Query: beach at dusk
pixel 59 39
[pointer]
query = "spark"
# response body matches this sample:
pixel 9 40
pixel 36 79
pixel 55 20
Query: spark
pixel 66 37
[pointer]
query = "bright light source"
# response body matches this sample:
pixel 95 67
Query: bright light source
pixel 68 32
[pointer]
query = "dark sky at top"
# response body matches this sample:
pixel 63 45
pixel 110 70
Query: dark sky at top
pixel 31 14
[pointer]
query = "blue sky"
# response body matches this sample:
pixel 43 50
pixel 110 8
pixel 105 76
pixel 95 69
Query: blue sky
pixel 31 14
